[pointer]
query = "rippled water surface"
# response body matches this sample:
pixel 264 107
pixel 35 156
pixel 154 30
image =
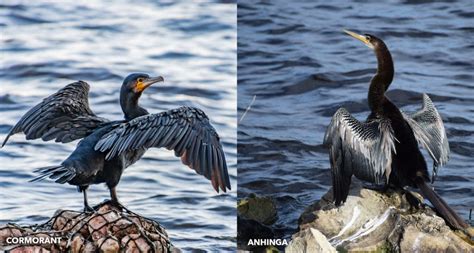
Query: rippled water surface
pixel 301 67
pixel 46 45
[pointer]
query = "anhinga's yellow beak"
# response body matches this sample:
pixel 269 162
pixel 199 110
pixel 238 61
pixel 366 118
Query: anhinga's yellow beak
pixel 362 38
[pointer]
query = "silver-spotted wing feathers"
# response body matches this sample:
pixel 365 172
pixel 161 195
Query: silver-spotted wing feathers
pixel 360 149
pixel 64 116
pixel 185 130
pixel 429 130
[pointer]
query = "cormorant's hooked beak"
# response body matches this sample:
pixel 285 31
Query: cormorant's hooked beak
pixel 141 86
pixel 362 38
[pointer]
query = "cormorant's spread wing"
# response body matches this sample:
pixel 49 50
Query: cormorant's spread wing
pixel 360 149
pixel 185 130
pixel 429 130
pixel 64 116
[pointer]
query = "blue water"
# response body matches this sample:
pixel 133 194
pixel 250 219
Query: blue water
pixel 300 67
pixel 46 45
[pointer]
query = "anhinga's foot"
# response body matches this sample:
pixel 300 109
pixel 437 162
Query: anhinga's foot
pixel 413 200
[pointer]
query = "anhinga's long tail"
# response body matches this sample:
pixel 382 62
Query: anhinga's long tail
pixel 449 215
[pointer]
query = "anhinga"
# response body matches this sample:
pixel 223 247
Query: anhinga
pixel 108 147
pixel 384 149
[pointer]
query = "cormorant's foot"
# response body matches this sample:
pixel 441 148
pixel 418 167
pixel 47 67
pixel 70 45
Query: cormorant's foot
pixel 376 187
pixel 88 209
pixel 105 202
pixel 113 203
pixel 117 204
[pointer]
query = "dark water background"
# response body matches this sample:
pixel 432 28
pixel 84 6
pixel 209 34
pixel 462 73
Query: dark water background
pixel 46 45
pixel 301 67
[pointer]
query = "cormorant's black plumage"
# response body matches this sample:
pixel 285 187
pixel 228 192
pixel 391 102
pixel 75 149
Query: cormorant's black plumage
pixel 384 149
pixel 108 147
pixel 64 116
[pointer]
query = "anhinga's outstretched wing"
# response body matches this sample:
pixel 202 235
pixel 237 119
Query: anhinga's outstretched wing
pixel 360 149
pixel 64 116
pixel 185 130
pixel 429 130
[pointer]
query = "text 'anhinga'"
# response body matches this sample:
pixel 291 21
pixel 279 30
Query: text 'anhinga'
pixel 108 147
pixel 384 149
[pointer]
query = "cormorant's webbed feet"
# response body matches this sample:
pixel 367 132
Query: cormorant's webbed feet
pixel 114 200
pixel 111 202
pixel 117 204
pixel 88 209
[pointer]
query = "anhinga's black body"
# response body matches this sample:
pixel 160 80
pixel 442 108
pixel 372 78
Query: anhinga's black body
pixel 384 149
pixel 108 147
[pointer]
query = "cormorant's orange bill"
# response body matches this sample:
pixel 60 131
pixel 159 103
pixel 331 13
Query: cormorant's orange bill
pixel 362 38
pixel 142 85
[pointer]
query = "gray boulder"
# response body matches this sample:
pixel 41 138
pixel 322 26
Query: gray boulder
pixel 373 221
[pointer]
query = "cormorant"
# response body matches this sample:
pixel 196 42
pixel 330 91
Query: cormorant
pixel 384 149
pixel 108 147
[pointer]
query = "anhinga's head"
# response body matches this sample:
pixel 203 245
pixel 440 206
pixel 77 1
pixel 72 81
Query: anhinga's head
pixel 384 58
pixel 369 40
pixel 385 69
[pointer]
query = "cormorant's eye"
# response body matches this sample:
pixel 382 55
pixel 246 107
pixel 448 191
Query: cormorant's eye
pixel 140 80
pixel 367 37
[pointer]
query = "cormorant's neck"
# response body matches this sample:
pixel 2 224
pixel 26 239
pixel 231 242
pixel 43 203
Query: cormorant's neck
pixel 130 107
pixel 382 79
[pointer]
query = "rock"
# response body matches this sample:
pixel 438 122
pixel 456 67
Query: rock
pixel 29 249
pixel 108 244
pixel 99 223
pixel 261 209
pixel 62 218
pixel 8 231
pixel 108 229
pixel 251 229
pixel 254 219
pixel 77 243
pixel 89 247
pixel 373 221
pixel 309 240
pixel 62 221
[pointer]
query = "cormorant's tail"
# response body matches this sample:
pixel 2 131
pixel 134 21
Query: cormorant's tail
pixel 59 172
pixel 449 215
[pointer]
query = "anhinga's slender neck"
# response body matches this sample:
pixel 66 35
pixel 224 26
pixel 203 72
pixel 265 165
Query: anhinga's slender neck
pixel 129 104
pixel 382 79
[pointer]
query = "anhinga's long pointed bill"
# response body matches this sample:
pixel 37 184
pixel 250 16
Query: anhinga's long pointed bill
pixel 362 38
pixel 148 82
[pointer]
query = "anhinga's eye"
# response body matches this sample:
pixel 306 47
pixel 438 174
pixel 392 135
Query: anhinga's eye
pixel 367 37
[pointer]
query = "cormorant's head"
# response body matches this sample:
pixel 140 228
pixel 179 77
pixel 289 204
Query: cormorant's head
pixel 138 82
pixel 368 39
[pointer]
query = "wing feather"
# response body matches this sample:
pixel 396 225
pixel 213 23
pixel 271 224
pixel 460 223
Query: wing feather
pixel 203 161
pixel 178 137
pixel 185 130
pixel 64 116
pixel 363 149
pixel 429 130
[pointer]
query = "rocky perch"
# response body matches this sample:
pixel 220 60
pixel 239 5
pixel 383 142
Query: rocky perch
pixel 372 221
pixel 108 229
